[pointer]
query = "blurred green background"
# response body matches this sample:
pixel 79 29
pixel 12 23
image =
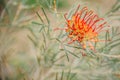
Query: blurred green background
pixel 31 50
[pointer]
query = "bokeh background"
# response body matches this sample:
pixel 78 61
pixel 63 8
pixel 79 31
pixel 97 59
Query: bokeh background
pixel 31 50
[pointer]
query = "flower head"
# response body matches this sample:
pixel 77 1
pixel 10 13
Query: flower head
pixel 84 25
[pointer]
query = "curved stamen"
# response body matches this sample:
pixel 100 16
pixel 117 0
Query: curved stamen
pixel 81 12
pixel 77 9
pixel 65 16
pixel 92 18
pixel 96 22
pixel 89 14
pixel 100 27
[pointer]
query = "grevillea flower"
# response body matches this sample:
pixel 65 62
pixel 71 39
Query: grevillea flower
pixel 84 25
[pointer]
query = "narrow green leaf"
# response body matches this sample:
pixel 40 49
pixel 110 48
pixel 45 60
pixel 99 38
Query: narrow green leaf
pixel 44 39
pixel 48 32
pixel 58 40
pixel 54 56
pixel 33 41
pixel 72 53
pixel 66 53
pixel 39 17
pixel 63 35
pixel 46 16
pixel 72 76
pixel 116 9
pixel 59 35
pixel 38 60
pixel 56 76
pixel 59 58
pixel 37 23
pixel 68 75
pixel 51 2
pixel 41 28
pixel 46 1
pixel 114 41
pixel 62 75
pixel 95 45
pixel 67 56
pixel 106 37
pixel 112 32
pixel 116 30
pixel 113 9
pixel 77 47
pixel 114 45
pixel 32 32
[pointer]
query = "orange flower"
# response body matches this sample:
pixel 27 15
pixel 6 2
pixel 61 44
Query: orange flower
pixel 84 26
